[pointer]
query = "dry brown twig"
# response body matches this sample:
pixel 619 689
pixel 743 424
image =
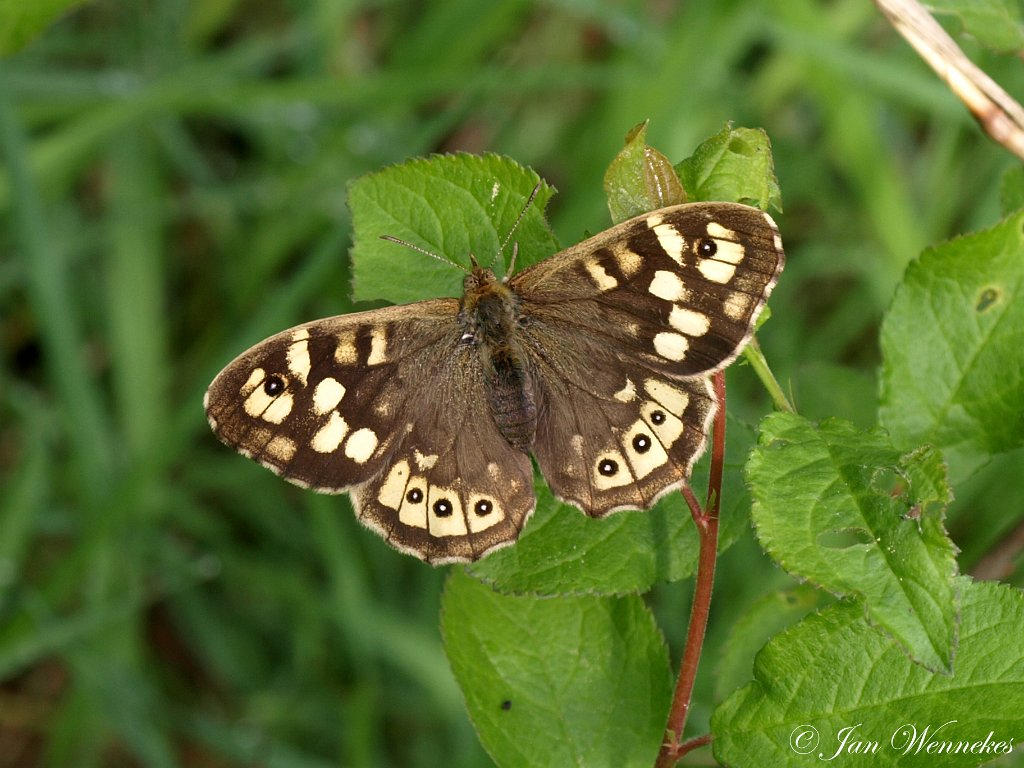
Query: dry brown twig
pixel 996 111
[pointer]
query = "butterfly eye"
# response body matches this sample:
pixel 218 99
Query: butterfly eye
pixel 608 467
pixel 657 418
pixel 707 248
pixel 274 385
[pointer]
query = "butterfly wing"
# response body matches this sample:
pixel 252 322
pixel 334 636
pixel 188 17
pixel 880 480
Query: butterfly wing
pixel 622 332
pixel 386 405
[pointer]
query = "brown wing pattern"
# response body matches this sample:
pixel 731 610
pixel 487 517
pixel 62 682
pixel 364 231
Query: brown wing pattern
pixel 623 331
pixel 618 335
pixel 679 288
pixel 388 406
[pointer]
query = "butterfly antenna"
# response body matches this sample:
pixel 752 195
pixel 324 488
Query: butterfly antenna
pixel 424 251
pixel 519 219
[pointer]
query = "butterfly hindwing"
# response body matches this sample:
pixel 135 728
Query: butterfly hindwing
pixel 451 494
pixel 622 445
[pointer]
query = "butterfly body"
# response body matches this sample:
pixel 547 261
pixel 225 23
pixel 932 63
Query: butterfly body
pixel 596 361
pixel 490 317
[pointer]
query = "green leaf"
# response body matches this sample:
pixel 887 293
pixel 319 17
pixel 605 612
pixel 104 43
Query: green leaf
pixel 735 165
pixel 953 348
pixel 558 681
pixel 998 24
pixel 451 205
pixel 860 518
pixel 564 552
pixel 755 626
pixel 640 179
pixel 833 672
pixel 21 21
pixel 1011 190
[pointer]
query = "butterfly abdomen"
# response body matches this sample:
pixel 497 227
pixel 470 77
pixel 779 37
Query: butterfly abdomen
pixel 490 317
pixel 510 393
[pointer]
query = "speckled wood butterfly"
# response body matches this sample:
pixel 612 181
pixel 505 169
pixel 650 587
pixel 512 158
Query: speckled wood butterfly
pixel 596 361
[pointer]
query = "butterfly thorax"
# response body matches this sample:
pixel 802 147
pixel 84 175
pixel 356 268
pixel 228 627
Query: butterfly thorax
pixel 490 317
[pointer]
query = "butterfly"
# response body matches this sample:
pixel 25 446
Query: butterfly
pixel 596 361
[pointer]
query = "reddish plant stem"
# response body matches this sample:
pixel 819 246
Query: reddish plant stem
pixel 707 529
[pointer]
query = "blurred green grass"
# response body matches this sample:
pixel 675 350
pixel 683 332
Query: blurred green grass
pixel 173 190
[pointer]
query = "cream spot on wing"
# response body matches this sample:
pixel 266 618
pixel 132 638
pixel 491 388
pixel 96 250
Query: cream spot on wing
pixel 494 471
pixel 281 448
pixel 716 271
pixel 255 379
pixel 627 394
pixel 278 410
pixel 729 251
pixel 665 425
pixel 737 306
pixel 330 435
pixel 298 355
pixel 424 462
pixel 484 512
pixel 601 278
pixel 574 465
pixel 673 242
pixel 610 471
pixel 378 347
pixel 414 503
pixel 643 449
pixel 392 490
pixel 346 353
pixel 274 409
pixel 716 231
pixel 673 399
pixel 668 285
pixel 327 395
pixel 671 346
pixel 629 261
pixel 653 220
pixel 360 445
pixel 688 321
pixel 444 513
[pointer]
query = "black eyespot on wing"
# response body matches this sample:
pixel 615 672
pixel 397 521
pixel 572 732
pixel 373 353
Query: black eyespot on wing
pixel 641 443
pixel 443 508
pixel 608 467
pixel 274 385
pixel 414 496
pixel 657 417
pixel 483 507
pixel 707 248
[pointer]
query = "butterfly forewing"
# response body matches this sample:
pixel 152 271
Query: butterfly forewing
pixel 680 287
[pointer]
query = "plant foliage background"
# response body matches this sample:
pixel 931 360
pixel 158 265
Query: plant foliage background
pixel 173 189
